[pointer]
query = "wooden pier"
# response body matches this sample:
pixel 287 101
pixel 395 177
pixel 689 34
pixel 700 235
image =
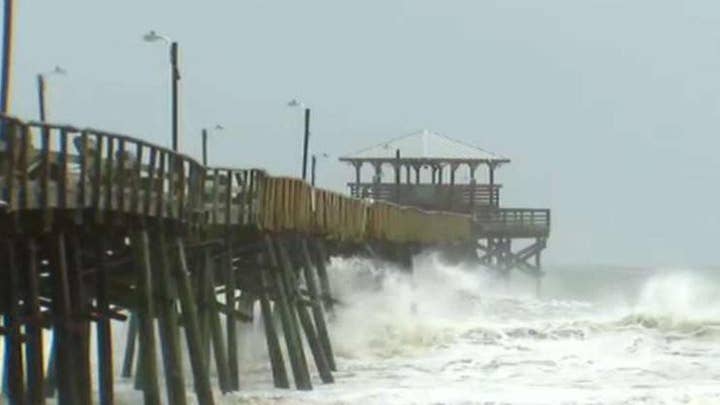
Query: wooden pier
pixel 99 227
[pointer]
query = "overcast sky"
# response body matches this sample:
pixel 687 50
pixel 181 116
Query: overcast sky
pixel 610 109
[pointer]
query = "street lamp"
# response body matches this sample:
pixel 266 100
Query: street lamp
pixel 153 36
pixel 313 165
pixel 205 131
pixel 41 89
pixel 296 103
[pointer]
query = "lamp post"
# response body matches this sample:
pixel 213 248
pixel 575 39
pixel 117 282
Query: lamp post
pixel 7 45
pixel 153 36
pixel 41 85
pixel 306 138
pixel 205 131
pixel 313 165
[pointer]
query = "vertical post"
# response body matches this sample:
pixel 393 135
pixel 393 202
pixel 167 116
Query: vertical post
pixel 130 340
pixel 80 324
pixel 306 142
pixel 204 146
pixel 175 72
pixel 41 96
pixel 313 164
pixel 280 377
pixel 34 345
pixel 230 321
pixel 198 357
pixel 397 175
pixel 7 58
pixel 104 333
pixel 321 256
pixel 355 191
pixel 146 329
pixel 13 367
pixel 169 329
pixel 538 272
pixel 216 335
pixel 317 306
pixel 472 166
pixel 491 175
pixel 64 367
pixel 289 321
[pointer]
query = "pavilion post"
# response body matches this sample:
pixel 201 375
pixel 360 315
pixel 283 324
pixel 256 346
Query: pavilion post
pixel 491 175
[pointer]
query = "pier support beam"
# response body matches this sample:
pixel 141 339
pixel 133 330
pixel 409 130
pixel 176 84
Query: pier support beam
pixel 309 273
pixel 279 372
pixel 146 316
pixel 104 332
pixel 289 319
pixel 34 346
pixel 169 325
pixel 198 356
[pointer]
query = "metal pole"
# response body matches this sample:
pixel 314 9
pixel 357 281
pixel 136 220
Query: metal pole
pixel 305 143
pixel 175 72
pixel 204 146
pixel 41 96
pixel 7 58
pixel 313 164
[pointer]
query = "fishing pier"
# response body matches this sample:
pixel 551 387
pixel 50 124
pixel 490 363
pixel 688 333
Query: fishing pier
pixel 98 228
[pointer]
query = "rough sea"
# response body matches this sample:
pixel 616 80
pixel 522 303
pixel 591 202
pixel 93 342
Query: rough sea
pixel 457 335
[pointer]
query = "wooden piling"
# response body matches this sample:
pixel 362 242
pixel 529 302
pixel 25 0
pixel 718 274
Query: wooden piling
pixel 34 346
pixel 80 324
pixel 289 321
pixel 218 341
pixel 321 257
pixel 13 344
pixel 64 367
pixel 231 322
pixel 198 357
pixel 169 325
pixel 130 339
pixel 317 308
pixel 280 377
pixel 103 328
pixel 316 348
pixel 146 315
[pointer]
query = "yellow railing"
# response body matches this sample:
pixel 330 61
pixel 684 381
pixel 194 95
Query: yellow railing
pixel 289 204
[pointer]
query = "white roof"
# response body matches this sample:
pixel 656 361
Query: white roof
pixel 425 145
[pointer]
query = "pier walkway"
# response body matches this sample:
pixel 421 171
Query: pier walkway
pixel 98 227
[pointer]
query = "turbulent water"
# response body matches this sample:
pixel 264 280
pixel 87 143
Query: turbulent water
pixel 453 335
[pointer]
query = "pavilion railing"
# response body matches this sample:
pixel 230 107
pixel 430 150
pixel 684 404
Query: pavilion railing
pixel 450 197
pixel 531 222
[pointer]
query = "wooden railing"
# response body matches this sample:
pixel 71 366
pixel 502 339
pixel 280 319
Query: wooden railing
pixel 513 222
pixel 46 167
pixel 231 196
pixel 445 197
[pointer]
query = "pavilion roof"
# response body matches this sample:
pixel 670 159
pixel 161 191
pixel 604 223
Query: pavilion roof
pixel 425 145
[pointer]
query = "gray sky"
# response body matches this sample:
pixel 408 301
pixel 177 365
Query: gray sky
pixel 610 109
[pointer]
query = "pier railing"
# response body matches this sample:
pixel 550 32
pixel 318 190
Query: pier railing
pixel 56 167
pixel 512 222
pixel 91 173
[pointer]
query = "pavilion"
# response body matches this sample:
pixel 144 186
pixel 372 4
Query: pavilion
pixel 424 169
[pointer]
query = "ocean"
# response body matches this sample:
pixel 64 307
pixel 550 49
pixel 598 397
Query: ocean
pixel 457 335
